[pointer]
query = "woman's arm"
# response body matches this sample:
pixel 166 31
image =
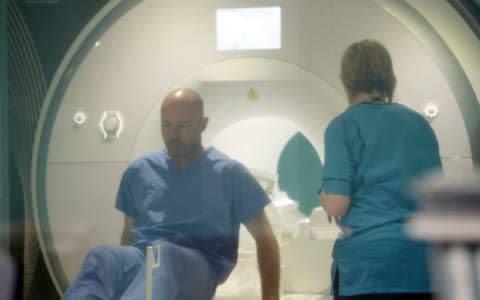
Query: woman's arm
pixel 335 205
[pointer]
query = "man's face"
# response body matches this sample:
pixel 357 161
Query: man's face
pixel 182 127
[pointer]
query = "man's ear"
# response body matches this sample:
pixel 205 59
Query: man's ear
pixel 204 123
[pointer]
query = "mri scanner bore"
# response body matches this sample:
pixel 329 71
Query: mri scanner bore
pixel 146 50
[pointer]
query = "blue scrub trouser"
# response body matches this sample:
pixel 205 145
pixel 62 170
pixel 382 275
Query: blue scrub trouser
pixel 118 272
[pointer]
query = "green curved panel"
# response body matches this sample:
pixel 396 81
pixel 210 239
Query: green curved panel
pixel 300 172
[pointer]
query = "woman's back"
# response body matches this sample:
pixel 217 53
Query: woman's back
pixel 383 147
pixel 389 145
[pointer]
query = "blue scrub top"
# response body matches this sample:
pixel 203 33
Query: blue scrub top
pixel 373 151
pixel 201 206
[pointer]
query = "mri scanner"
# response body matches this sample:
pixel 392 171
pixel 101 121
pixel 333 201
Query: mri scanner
pixel 101 112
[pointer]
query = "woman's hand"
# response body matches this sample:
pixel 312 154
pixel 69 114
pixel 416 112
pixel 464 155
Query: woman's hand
pixel 336 219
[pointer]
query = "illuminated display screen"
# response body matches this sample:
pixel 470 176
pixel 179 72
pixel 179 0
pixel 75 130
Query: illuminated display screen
pixel 256 28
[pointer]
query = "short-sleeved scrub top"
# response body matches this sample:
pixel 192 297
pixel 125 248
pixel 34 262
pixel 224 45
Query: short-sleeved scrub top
pixel 201 206
pixel 373 152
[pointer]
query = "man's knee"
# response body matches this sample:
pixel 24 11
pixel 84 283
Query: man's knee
pixel 167 248
pixel 102 255
pixel 178 260
pixel 172 251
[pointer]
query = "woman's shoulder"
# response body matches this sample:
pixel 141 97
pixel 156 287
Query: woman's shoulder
pixel 410 114
pixel 345 119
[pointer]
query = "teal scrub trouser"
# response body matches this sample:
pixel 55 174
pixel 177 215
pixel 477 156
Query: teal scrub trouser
pixel 118 272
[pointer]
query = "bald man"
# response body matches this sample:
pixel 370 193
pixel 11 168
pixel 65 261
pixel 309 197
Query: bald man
pixel 190 200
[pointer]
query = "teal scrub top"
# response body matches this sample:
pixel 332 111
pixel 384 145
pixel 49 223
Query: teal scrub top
pixel 373 151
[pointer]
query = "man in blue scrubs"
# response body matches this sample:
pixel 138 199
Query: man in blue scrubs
pixel 190 201
pixel 373 151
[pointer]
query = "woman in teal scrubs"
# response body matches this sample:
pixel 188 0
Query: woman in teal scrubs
pixel 373 151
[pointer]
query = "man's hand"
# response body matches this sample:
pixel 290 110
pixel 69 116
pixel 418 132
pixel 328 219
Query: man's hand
pixel 268 256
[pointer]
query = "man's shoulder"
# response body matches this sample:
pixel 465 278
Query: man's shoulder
pixel 221 160
pixel 215 155
pixel 157 157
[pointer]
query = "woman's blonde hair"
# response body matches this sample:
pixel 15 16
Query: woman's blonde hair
pixel 367 67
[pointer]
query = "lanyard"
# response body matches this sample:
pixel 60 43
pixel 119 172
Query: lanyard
pixel 375 99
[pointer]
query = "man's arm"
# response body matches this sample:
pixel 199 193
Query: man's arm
pixel 268 256
pixel 127 236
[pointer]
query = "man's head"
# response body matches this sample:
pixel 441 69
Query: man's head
pixel 367 67
pixel 182 123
